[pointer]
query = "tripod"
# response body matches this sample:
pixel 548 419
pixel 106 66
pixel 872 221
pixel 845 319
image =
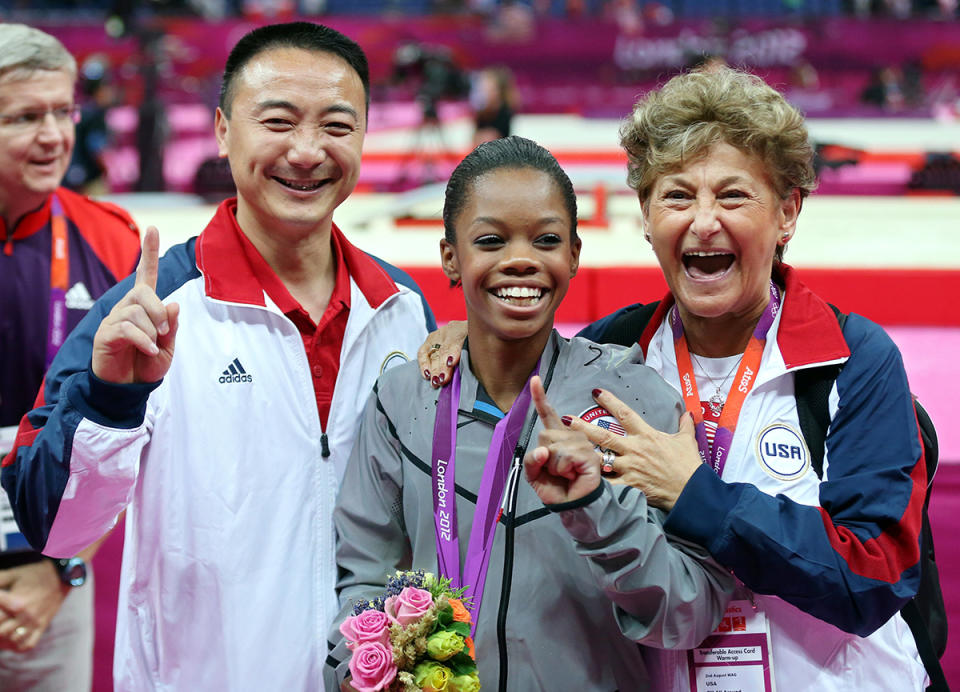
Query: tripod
pixel 428 149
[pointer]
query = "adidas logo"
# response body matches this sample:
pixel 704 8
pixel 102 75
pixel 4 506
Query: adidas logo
pixel 235 373
pixel 78 297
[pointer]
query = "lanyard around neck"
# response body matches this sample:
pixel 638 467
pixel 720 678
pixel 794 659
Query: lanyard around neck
pixel 742 383
pixel 503 449
pixel 59 278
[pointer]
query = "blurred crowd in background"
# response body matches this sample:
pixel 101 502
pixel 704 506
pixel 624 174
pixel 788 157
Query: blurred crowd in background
pixel 149 69
pixel 217 9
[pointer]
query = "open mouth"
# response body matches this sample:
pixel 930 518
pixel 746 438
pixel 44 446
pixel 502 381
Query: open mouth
pixel 45 163
pixel 300 185
pixel 707 264
pixel 519 295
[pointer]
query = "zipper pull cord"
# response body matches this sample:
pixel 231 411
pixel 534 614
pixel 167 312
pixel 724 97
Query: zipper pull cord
pixel 512 481
pixel 324 446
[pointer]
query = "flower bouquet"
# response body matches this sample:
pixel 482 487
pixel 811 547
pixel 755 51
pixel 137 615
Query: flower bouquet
pixel 415 637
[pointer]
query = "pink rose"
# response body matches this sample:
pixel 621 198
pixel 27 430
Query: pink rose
pixel 369 626
pixel 372 667
pixel 409 606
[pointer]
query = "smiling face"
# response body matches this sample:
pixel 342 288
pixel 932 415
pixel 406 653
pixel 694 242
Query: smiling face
pixel 294 136
pixel 34 160
pixel 714 226
pixel 513 254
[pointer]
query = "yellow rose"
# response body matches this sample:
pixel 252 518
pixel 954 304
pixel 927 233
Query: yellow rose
pixel 444 644
pixel 465 683
pixel 432 676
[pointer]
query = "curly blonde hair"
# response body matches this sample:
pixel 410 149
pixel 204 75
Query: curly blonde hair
pixel 693 111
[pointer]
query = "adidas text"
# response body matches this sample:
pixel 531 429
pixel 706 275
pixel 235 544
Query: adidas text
pixel 226 379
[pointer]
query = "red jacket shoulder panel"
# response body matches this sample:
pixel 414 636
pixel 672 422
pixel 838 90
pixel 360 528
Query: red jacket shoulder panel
pixel 809 333
pixel 109 230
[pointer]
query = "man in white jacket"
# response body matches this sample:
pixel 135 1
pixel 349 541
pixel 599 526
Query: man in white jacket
pixel 215 395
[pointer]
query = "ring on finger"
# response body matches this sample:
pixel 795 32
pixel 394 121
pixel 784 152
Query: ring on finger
pixel 435 347
pixel 20 632
pixel 606 461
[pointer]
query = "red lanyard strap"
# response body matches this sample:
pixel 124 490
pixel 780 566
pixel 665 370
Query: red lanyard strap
pixel 742 383
pixel 59 278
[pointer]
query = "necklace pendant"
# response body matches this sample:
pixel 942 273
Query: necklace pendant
pixel 716 403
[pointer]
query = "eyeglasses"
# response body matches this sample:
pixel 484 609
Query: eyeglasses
pixel 31 121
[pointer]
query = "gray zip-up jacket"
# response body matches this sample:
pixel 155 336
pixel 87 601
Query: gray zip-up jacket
pixel 570 589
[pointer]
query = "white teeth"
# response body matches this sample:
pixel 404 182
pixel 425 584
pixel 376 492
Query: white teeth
pixel 703 253
pixel 303 187
pixel 518 292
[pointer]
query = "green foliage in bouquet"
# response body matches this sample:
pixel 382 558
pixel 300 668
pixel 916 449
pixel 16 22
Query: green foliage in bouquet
pixel 414 638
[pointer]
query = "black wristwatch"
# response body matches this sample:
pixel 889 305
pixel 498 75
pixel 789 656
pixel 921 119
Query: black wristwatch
pixel 72 571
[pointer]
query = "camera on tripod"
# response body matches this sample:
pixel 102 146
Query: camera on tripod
pixel 436 73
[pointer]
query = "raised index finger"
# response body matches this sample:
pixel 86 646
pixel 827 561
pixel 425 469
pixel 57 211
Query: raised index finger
pixel 149 259
pixel 547 414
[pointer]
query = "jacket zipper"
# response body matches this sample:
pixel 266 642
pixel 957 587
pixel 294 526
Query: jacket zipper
pixel 509 508
pixel 510 505
pixel 324 442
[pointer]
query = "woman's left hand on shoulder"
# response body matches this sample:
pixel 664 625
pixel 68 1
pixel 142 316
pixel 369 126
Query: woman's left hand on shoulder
pixel 657 463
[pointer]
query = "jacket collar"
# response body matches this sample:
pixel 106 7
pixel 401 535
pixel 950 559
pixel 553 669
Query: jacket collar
pixel 808 334
pixel 228 276
pixel 470 385
pixel 28 224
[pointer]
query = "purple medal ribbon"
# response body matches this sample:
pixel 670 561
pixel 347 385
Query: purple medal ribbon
pixel 506 434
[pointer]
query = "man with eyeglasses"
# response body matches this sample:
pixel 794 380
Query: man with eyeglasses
pixel 59 252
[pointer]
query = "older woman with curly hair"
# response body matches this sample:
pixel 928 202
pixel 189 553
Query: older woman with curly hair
pixel 721 164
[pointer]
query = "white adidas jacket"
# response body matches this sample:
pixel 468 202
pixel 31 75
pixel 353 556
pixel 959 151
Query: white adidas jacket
pixel 228 568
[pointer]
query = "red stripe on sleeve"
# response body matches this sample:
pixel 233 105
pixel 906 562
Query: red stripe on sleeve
pixel 26 433
pixel 890 554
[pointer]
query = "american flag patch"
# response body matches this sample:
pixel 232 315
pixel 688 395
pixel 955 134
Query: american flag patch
pixel 600 416
pixel 612 426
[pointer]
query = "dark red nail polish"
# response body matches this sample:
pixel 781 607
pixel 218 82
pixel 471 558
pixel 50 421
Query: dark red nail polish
pixel 449 360
pixel 596 393
pixel 442 376
pixel 436 380
pixel 426 373
pixel 566 420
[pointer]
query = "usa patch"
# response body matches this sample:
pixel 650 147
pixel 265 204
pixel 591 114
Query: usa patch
pixel 599 416
pixel 782 452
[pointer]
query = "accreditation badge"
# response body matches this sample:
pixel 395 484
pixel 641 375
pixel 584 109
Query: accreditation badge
pixel 10 536
pixel 737 656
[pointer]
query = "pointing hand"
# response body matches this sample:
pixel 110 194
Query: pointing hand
pixel 564 467
pixel 134 342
